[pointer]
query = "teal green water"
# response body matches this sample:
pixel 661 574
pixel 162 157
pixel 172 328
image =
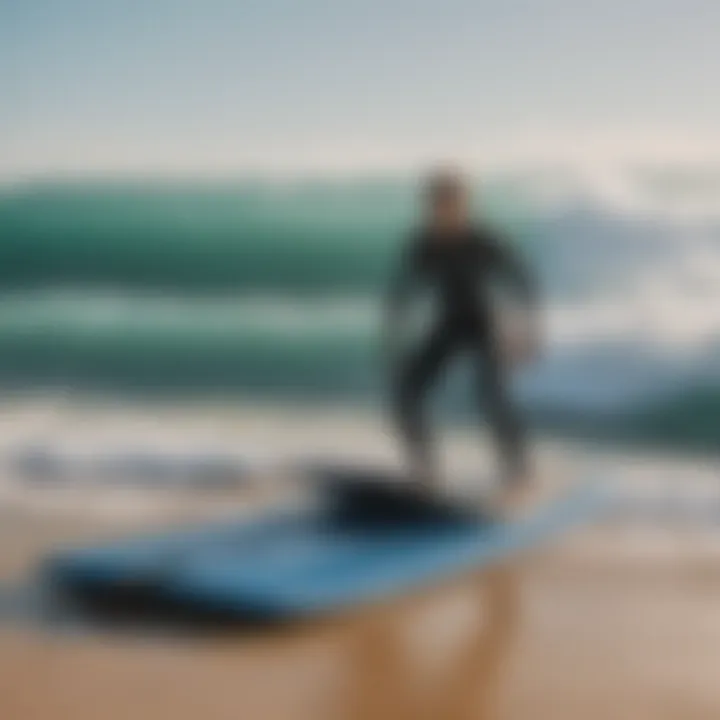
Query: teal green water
pixel 273 289
pixel 280 239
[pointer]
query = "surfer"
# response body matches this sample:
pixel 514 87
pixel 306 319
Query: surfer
pixel 459 260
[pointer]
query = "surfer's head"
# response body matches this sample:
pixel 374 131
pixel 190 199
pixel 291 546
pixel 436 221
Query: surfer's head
pixel 446 199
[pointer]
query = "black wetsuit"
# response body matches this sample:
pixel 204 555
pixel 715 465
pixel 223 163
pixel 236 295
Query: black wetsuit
pixel 460 271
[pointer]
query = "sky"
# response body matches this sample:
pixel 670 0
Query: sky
pixel 187 87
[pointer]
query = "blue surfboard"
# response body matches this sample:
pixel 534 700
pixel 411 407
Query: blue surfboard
pixel 367 540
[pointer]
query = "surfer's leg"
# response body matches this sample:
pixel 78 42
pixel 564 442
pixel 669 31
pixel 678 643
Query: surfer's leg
pixel 414 381
pixel 504 418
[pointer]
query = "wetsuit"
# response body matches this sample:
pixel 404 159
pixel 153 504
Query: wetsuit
pixel 460 271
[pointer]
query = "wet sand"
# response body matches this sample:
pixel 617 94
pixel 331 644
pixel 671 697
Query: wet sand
pixel 613 623
pixel 556 635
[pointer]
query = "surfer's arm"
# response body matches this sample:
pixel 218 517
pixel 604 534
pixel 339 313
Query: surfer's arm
pixel 514 273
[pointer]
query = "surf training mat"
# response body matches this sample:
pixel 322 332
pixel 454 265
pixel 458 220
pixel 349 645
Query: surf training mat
pixel 366 539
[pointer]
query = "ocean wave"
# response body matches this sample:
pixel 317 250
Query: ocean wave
pixel 311 239
pixel 276 291
pixel 621 386
pixel 220 241
pixel 320 238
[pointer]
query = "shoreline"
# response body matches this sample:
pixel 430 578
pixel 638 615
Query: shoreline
pixel 371 411
pixel 588 627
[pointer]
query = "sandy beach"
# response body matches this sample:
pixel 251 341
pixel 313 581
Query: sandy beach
pixel 617 620
pixel 245 246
